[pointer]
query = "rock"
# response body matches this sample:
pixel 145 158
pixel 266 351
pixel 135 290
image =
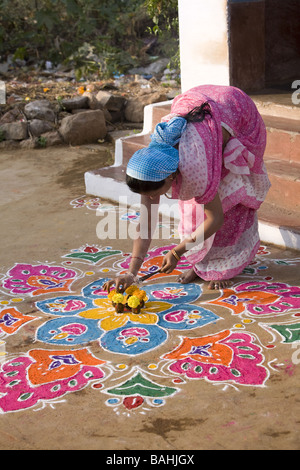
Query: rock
pixel 169 77
pixel 83 128
pixel 107 115
pixel 92 100
pixel 173 93
pixel 13 98
pixel 134 109
pixel 38 127
pixel 29 144
pixel 11 116
pixel 62 115
pixel 40 109
pixel 4 68
pixel 117 116
pixel 109 101
pixel 169 73
pixel 76 111
pixel 172 83
pixel 53 138
pixel 156 67
pixel 15 130
pixel 78 102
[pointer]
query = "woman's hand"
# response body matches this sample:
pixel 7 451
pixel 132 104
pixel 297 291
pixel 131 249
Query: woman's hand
pixel 121 282
pixel 169 263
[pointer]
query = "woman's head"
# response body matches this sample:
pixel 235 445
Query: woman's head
pixel 150 188
pixel 150 169
pixel 140 186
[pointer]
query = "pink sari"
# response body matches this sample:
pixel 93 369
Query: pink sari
pixel 237 174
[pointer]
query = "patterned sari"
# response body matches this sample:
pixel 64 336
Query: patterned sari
pixel 236 173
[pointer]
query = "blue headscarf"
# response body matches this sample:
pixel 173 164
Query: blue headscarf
pixel 160 159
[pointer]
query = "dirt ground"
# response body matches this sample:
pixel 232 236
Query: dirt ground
pixel 220 374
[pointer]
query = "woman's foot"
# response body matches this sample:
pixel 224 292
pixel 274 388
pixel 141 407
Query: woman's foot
pixel 219 284
pixel 190 276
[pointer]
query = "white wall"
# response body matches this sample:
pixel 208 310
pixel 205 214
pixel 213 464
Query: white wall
pixel 203 39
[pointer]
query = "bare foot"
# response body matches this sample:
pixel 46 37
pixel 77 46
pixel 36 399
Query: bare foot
pixel 188 276
pixel 219 284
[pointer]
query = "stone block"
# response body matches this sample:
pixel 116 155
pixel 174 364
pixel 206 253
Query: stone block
pixel 29 144
pixel 15 130
pixel 83 128
pixel 79 102
pixel 134 109
pixel 52 138
pixel 110 101
pixel 38 127
pixel 11 116
pixel 40 109
pixel 92 100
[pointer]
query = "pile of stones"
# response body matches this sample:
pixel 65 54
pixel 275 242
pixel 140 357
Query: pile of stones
pixel 84 119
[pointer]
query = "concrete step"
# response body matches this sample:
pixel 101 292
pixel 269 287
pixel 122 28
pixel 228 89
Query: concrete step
pixel 158 113
pixel 285 180
pixel 283 136
pixel 277 104
pixel 284 218
pixel 279 226
pixel 283 139
pixel 132 144
pixel 116 173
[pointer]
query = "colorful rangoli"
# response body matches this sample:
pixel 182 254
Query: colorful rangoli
pixel 74 330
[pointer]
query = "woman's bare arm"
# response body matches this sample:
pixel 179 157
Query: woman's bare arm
pixel 214 217
pixel 145 231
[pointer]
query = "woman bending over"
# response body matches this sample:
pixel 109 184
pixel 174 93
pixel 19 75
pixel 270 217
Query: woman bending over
pixel 209 152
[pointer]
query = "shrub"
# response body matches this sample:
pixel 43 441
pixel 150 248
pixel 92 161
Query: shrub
pixel 96 36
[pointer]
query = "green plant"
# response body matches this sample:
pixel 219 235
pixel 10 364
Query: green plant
pixel 20 53
pixel 164 14
pixel 100 37
pixel 59 100
pixel 42 141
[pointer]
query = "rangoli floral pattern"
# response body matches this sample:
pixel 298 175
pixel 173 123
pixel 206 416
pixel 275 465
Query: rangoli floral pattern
pixel 92 317
pixel 73 330
pixel 225 356
pixel 260 298
pixel 39 279
pixel 44 375
pixel 11 320
pixel 92 254
pixel 92 203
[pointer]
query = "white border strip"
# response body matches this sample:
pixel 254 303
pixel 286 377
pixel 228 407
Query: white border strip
pixel 280 236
